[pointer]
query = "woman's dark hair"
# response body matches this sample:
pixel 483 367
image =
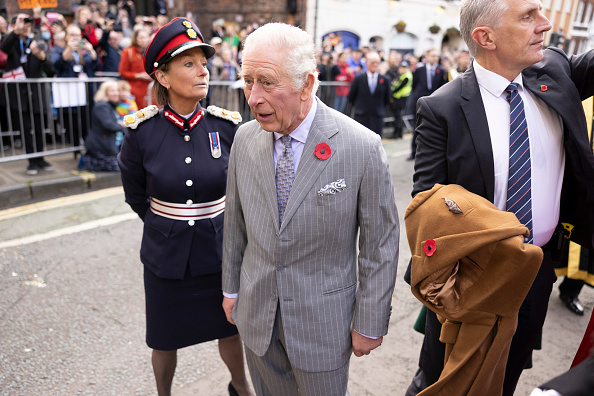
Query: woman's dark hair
pixel 161 91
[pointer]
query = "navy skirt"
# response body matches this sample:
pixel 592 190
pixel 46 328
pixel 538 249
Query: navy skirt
pixel 180 313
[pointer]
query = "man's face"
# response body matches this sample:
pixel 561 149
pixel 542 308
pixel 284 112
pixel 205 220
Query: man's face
pixel 463 60
pixel 432 57
pixel 520 38
pixel 373 62
pixel 269 91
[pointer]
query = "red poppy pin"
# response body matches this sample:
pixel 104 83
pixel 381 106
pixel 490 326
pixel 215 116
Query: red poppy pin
pixel 430 247
pixel 381 80
pixel 437 71
pixel 543 88
pixel 322 151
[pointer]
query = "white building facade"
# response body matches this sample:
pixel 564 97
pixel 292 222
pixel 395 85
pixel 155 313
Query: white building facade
pixel 373 23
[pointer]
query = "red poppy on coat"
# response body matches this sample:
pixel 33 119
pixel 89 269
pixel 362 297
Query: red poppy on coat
pixel 381 80
pixel 430 247
pixel 543 88
pixel 322 151
pixel 437 71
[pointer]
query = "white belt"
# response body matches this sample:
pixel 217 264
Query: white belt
pixel 198 211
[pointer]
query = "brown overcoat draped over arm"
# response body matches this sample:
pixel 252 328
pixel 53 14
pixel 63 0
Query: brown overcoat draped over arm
pixel 470 265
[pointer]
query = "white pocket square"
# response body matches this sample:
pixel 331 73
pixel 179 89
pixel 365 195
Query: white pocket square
pixel 333 188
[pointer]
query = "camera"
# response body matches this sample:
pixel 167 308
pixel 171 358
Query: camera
pixel 81 43
pixel 28 20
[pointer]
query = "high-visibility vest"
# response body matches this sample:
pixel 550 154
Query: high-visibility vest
pixel 406 90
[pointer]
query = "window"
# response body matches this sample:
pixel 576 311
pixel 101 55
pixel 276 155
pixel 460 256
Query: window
pixel 579 15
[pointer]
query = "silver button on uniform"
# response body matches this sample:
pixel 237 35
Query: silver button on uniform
pixel 187 138
pixel 191 223
pixel 188 160
pixel 189 202
pixel 189 183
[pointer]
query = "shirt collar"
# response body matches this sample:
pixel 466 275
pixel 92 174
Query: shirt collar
pixel 301 132
pixel 493 82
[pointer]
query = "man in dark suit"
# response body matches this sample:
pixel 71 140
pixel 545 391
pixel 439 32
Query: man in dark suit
pixel 464 138
pixel 426 80
pixel 370 94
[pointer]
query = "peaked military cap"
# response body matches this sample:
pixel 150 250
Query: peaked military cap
pixel 177 36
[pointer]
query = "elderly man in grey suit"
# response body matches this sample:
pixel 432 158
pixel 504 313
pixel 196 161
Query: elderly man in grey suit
pixel 305 183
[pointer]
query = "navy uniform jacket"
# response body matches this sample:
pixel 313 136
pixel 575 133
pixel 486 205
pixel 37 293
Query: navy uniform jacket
pixel 154 163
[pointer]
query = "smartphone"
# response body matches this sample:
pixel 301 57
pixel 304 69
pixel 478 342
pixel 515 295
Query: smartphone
pixel 81 43
pixel 28 20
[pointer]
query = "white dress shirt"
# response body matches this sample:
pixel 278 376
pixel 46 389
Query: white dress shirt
pixel 430 73
pixel 372 81
pixel 547 152
pixel 298 137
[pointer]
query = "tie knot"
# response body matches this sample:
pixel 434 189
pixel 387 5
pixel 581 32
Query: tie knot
pixel 286 139
pixel 512 87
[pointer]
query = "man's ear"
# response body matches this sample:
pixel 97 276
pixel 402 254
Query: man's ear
pixel 308 87
pixel 161 76
pixel 484 37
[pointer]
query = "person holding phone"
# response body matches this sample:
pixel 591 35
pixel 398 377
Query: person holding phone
pixel 77 59
pixel 25 59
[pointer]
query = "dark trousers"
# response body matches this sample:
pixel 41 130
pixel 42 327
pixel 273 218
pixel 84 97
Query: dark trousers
pixel 74 121
pixel 30 126
pixel 398 106
pixel 571 287
pixel 375 123
pixel 531 318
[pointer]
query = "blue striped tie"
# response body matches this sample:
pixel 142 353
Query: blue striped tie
pixel 519 185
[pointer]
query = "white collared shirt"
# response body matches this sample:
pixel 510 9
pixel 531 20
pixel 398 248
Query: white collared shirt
pixel 299 136
pixel 430 72
pixel 372 80
pixel 547 152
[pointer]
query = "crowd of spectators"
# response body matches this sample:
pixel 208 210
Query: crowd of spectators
pixel 104 39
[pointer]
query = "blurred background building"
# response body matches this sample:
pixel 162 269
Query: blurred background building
pixel 404 25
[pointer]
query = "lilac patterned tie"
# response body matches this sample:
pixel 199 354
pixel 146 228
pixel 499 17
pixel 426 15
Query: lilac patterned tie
pixel 519 185
pixel 285 172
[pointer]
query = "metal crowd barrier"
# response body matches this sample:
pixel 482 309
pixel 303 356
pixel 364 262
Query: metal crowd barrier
pixel 61 109
pixel 57 108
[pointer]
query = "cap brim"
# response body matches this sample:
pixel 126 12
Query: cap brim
pixel 208 49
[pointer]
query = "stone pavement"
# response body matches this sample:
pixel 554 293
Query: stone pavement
pixel 17 188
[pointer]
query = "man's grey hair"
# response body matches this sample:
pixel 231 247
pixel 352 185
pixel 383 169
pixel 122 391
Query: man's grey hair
pixel 295 45
pixel 475 13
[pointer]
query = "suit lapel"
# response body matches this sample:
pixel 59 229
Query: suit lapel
pixel 310 167
pixel 546 89
pixel 264 155
pixel 474 111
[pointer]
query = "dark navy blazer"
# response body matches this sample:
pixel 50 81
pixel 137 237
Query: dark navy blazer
pixel 153 163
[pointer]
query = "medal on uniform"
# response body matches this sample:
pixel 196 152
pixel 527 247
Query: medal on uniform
pixel 215 144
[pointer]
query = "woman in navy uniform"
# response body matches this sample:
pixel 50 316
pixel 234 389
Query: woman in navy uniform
pixel 173 164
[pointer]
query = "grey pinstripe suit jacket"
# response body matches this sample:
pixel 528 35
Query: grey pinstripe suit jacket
pixel 308 264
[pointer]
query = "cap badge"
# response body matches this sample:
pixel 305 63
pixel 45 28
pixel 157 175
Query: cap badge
pixel 452 206
pixel 187 24
pixel 192 34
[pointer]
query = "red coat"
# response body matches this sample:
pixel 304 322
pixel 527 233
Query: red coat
pixel 131 64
